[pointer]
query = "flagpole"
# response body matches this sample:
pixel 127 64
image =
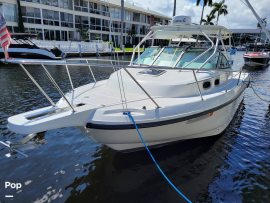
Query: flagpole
pixel 6 53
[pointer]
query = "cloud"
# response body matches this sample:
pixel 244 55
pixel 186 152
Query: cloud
pixel 240 16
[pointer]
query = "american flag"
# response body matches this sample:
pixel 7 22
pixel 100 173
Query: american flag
pixel 5 37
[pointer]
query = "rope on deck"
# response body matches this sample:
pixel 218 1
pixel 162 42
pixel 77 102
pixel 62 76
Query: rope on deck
pixel 154 160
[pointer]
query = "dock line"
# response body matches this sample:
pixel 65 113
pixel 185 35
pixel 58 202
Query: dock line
pixel 154 160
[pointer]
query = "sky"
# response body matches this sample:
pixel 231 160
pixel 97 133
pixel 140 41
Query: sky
pixel 240 16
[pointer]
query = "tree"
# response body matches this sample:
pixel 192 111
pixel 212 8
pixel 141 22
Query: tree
pixel 174 8
pixel 208 20
pixel 20 19
pixel 220 8
pixel 205 3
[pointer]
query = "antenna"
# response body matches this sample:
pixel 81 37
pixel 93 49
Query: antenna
pixel 259 19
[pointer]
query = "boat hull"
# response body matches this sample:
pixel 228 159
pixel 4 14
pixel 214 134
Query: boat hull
pixel 26 53
pixel 206 125
pixel 256 62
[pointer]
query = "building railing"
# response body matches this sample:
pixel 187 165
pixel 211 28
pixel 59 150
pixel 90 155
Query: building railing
pixel 75 47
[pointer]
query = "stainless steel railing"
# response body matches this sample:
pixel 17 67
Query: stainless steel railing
pixel 89 63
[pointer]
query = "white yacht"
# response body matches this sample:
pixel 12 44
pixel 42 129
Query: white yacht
pixel 173 93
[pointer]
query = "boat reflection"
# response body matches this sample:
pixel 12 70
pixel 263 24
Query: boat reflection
pixel 131 177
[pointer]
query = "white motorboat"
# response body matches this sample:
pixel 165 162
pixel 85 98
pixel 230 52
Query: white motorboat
pixel 173 93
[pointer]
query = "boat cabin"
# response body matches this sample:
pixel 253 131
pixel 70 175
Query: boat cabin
pixel 206 48
pixel 201 69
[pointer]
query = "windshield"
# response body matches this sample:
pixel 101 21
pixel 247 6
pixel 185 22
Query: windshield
pixel 192 54
pixel 148 56
pixel 169 56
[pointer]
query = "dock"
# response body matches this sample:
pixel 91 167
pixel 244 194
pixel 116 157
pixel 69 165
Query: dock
pixel 85 49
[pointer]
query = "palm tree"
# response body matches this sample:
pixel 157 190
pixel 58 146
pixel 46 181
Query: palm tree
pixel 174 7
pixel 208 20
pixel 205 3
pixel 220 8
pixel 20 19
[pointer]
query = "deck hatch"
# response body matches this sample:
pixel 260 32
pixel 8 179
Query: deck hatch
pixel 153 72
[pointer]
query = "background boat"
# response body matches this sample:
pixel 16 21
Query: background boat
pixel 23 47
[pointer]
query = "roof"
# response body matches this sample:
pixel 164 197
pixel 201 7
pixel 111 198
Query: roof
pixel 132 6
pixel 177 31
pixel 186 40
pixel 247 31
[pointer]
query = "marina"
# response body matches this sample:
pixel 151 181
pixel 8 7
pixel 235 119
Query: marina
pixel 107 101
pixel 70 167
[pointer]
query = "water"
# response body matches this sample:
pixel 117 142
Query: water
pixel 66 166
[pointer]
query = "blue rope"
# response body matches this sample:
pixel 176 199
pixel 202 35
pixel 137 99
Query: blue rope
pixel 154 160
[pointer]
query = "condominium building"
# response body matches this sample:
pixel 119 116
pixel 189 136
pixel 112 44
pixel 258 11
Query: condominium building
pixel 81 19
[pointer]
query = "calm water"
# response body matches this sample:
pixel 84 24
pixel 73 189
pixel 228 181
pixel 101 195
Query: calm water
pixel 66 166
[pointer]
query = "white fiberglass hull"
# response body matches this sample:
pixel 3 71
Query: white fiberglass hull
pixel 210 124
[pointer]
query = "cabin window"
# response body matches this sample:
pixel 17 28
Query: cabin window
pixel 168 56
pixel 148 56
pixel 192 54
pixel 217 81
pixel 206 85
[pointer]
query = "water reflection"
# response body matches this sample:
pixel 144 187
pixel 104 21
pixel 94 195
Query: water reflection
pixel 192 165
